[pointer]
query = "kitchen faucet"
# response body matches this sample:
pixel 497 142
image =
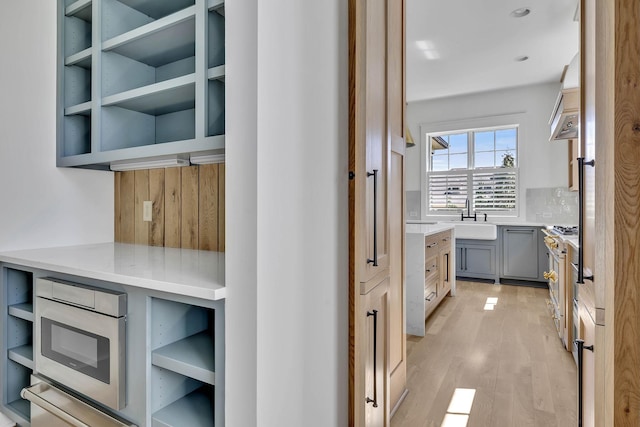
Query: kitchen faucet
pixel 467 206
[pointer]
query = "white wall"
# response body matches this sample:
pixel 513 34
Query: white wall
pixel 293 201
pixel 242 212
pixel 542 163
pixel 40 205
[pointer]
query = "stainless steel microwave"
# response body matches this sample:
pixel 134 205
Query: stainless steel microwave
pixel 80 339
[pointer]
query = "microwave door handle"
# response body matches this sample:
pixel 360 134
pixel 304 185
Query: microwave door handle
pixel 33 397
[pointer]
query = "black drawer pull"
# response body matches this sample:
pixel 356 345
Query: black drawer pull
pixel 430 296
pixel 432 245
pixel 374 260
pixel 580 347
pixel 374 313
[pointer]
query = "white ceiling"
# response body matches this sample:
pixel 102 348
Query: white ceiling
pixel 477 41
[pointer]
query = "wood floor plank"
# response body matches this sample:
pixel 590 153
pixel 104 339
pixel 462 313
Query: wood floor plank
pixel 511 356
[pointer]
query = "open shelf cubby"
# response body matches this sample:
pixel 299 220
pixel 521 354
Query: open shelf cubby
pixel 194 410
pixel 216 109
pixel 215 42
pixel 153 76
pixel 183 364
pixel 18 331
pixel 77 134
pixel 124 16
pixel 19 287
pixel 77 35
pixel 79 8
pixel 18 377
pixel 77 86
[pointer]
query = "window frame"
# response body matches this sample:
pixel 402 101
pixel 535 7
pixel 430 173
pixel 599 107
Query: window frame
pixel 427 130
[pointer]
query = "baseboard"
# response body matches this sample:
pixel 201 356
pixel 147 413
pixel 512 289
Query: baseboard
pixel 402 397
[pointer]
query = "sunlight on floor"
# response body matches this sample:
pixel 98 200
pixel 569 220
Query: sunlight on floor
pixel 490 303
pixel 459 408
pixel 455 420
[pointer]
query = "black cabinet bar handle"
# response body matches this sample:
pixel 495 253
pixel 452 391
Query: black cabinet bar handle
pixel 432 245
pixel 430 296
pixel 374 313
pixel 581 347
pixel 375 218
pixel 447 267
pixel 581 164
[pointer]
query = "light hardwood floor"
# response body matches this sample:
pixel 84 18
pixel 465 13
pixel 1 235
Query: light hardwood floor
pixel 511 356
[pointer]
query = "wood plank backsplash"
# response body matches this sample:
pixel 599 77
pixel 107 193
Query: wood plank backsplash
pixel 188 207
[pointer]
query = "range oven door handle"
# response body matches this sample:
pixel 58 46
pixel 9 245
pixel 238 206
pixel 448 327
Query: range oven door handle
pixel 41 393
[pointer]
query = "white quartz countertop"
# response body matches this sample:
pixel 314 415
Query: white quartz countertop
pixel 489 221
pixel 427 229
pixel 194 273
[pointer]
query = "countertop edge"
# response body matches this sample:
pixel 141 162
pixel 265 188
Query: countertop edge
pixel 215 293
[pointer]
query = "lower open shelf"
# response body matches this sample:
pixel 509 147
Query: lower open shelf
pixel 21 407
pixel 192 357
pixel 22 355
pixel 193 410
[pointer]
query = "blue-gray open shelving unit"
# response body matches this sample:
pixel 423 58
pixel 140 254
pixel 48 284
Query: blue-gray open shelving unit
pixel 139 79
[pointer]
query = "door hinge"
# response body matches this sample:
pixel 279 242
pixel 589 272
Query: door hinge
pixel 352 175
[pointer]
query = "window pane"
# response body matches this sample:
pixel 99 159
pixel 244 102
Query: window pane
pixel 458 161
pixel 440 163
pixel 503 161
pixel 458 143
pixel 483 141
pixel 506 139
pixel 484 160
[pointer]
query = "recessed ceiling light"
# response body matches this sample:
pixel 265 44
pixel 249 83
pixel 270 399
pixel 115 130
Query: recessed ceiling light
pixel 519 13
pixel 521 58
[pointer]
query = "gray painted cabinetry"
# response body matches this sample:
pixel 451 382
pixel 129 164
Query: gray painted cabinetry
pixel 175 352
pixel 477 259
pixel 523 253
pixel 139 79
pixel 518 253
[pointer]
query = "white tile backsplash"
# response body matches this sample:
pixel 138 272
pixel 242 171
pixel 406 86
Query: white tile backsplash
pixel 553 206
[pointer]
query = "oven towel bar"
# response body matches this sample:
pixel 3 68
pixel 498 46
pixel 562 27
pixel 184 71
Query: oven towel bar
pixel 41 394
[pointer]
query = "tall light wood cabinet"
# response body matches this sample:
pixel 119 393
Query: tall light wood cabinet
pixel 396 129
pixel 376 210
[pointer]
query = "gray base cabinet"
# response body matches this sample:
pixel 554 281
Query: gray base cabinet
pixel 175 352
pixel 477 259
pixel 519 253
pixel 523 253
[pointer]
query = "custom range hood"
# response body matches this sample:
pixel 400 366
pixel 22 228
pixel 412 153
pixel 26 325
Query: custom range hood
pixel 565 119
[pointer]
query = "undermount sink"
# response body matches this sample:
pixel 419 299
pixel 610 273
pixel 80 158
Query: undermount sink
pixel 476 230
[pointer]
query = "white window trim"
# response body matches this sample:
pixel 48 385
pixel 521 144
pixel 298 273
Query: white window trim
pixel 465 125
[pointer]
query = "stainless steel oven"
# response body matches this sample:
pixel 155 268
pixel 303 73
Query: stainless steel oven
pixel 80 338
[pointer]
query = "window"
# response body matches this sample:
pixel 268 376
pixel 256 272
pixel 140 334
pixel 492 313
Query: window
pixel 479 165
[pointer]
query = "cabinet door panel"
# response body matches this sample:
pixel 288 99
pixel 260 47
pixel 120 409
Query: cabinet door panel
pixel 459 260
pixel 588 330
pixel 375 256
pixel 374 318
pixel 520 252
pixel 480 259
